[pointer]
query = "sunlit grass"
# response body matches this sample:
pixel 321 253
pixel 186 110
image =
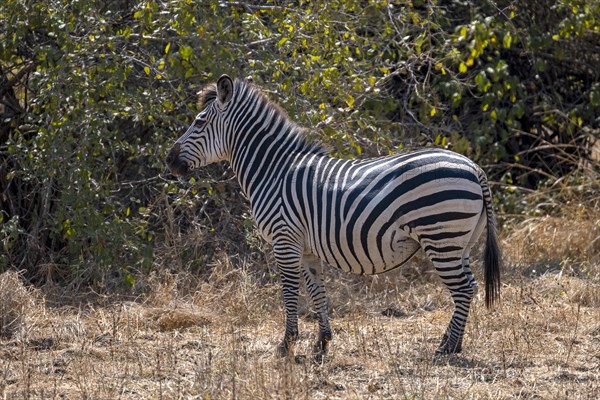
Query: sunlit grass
pixel 215 336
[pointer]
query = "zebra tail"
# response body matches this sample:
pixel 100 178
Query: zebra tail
pixel 493 256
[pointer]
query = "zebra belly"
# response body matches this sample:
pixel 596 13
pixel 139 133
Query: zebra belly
pixel 396 248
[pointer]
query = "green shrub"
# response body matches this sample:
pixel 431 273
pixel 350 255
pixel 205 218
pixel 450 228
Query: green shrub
pixel 92 94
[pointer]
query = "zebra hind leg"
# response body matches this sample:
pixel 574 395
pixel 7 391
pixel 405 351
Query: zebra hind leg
pixel 469 274
pixel 313 275
pixel 453 337
pixel 462 286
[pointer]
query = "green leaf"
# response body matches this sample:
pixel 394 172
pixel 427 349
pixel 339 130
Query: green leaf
pixel 129 279
pixel 350 101
pixel 185 52
pixel 507 40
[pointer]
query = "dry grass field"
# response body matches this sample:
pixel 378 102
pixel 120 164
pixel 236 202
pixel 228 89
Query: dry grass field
pixel 214 337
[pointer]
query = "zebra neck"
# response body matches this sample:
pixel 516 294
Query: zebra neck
pixel 259 160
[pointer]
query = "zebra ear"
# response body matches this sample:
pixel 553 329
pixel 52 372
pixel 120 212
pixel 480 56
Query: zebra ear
pixel 224 89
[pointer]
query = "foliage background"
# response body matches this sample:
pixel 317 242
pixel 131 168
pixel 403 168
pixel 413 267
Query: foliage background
pixel 93 93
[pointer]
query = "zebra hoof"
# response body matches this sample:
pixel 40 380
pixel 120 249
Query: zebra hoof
pixel 321 347
pixel 448 348
pixel 444 353
pixel 318 358
pixel 282 350
pixel 285 349
pixel 319 351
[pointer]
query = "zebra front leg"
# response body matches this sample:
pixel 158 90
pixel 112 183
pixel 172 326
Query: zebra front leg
pixel 288 261
pixel 290 284
pixel 313 275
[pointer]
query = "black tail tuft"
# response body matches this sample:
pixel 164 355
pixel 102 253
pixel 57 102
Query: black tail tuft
pixel 492 265
pixel 493 256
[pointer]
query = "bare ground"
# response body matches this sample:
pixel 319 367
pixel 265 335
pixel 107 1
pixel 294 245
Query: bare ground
pixel 215 338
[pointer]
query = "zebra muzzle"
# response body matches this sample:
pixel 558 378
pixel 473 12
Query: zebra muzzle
pixel 176 165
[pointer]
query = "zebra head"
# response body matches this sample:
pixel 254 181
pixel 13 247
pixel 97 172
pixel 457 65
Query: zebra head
pixel 204 141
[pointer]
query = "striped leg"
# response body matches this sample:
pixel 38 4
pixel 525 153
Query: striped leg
pixel 313 274
pixel 469 274
pixel 459 280
pixel 288 259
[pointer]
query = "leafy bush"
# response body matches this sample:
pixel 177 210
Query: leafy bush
pixel 93 93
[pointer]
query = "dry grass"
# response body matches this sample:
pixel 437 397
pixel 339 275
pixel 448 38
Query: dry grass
pixel 573 239
pixel 17 305
pixel 216 337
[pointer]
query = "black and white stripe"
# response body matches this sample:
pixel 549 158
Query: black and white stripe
pixel 363 216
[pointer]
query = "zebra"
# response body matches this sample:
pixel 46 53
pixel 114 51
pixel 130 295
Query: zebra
pixel 364 216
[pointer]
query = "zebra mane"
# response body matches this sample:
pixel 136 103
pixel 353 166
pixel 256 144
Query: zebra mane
pixel 209 93
pixel 206 96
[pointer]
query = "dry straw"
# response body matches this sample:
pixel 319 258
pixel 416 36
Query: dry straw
pixel 16 302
